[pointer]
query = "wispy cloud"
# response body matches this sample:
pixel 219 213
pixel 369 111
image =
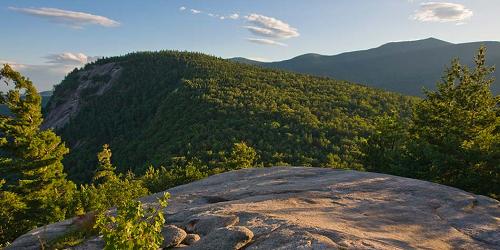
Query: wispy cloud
pixel 266 42
pixel 73 19
pixel 267 29
pixel 270 27
pixel 233 16
pixel 442 12
pixel 194 11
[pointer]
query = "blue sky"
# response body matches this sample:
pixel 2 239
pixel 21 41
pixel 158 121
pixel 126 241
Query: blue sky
pixel 45 39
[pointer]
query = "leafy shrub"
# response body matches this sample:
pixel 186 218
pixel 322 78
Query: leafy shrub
pixel 184 171
pixel 132 227
pixel 108 189
pixel 111 193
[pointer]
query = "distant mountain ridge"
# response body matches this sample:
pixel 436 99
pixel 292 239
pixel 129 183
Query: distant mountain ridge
pixel 404 67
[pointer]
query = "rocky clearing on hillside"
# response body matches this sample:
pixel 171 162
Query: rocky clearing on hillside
pixel 314 208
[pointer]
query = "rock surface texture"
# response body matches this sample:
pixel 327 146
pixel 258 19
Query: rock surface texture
pixel 61 112
pixel 172 236
pixel 313 208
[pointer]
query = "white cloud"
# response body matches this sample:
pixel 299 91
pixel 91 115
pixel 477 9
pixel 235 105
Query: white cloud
pixel 69 58
pixel 44 76
pixel 195 11
pixel 71 18
pixel 260 31
pixel 234 16
pixel 266 42
pixel 442 12
pixel 270 27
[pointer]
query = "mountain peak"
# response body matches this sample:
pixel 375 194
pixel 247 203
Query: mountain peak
pixel 427 43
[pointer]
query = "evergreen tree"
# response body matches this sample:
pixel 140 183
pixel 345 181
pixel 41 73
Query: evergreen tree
pixel 30 159
pixel 105 170
pixel 108 188
pixel 385 150
pixel 11 206
pixel 457 130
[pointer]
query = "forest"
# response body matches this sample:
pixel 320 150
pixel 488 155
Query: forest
pixel 175 117
pixel 169 105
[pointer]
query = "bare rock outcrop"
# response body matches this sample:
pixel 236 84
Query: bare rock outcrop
pixel 191 239
pixel 93 81
pixel 314 208
pixel 172 236
pixel 224 238
pixel 204 224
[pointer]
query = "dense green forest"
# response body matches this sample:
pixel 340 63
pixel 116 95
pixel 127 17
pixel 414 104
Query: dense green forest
pixel 169 105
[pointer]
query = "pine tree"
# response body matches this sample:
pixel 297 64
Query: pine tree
pixel 457 129
pixel 11 206
pixel 30 159
pixel 109 189
pixel 105 170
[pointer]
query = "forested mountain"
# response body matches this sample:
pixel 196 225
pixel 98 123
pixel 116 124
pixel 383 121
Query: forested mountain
pixel 158 107
pixel 404 67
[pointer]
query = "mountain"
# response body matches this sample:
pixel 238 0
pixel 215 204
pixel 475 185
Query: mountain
pixel 404 67
pixel 155 108
pixel 311 208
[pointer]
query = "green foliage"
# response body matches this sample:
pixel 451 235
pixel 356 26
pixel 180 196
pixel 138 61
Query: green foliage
pixel 105 170
pixel 35 187
pixel 111 193
pixel 242 156
pixel 386 149
pixel 10 210
pixel 110 190
pixel 176 104
pixel 457 129
pixel 132 227
pixel 181 172
pixel 453 137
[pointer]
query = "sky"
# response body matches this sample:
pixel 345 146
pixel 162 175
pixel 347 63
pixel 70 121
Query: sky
pixel 45 39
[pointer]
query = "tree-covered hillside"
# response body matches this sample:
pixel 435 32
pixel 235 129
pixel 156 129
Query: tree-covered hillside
pixel 403 67
pixel 178 104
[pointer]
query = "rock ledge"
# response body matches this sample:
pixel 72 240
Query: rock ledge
pixel 314 208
